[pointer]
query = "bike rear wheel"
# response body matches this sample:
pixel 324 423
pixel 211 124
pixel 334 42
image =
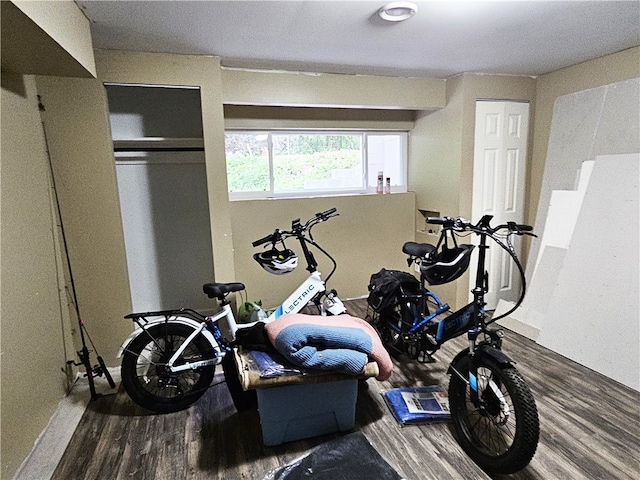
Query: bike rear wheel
pixel 149 382
pixel 501 432
pixel 384 323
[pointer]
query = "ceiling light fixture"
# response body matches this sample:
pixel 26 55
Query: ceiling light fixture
pixel 398 11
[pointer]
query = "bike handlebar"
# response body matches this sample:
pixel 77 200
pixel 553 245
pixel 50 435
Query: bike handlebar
pixel 326 214
pixel 297 229
pixel 450 223
pixel 483 229
pixel 271 238
pixel 440 220
pixel 460 224
pixel 518 227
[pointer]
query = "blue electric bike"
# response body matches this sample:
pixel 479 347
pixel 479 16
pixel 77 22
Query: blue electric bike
pixel 493 412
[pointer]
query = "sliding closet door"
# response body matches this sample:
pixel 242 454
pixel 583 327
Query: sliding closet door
pixel 161 175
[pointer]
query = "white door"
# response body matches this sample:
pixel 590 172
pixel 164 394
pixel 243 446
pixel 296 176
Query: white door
pixel 499 171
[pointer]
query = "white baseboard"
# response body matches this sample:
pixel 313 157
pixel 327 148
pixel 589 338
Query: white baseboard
pixel 519 321
pixel 52 442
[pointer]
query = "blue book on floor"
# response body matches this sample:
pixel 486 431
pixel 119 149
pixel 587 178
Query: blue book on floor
pixel 415 405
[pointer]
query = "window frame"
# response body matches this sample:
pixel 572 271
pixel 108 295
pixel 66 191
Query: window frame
pixel 365 133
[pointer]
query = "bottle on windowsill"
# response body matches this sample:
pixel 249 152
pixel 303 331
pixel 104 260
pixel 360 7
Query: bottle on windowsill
pixel 380 186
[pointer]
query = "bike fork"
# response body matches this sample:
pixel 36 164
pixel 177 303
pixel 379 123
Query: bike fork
pixel 471 380
pixel 460 376
pixel 481 387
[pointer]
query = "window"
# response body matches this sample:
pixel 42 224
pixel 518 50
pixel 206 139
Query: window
pixel 263 164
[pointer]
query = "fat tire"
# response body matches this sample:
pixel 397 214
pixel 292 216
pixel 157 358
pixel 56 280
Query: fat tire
pixel 149 385
pixel 242 400
pixel 473 429
pixel 390 338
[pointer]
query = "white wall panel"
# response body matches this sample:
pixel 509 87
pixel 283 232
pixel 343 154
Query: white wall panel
pixel 593 313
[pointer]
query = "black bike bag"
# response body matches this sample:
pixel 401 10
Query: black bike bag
pixel 385 288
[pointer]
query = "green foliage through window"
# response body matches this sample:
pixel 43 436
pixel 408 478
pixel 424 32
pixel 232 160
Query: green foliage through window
pixel 270 163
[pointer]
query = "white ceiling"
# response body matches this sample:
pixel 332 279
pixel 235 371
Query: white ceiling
pixel 516 37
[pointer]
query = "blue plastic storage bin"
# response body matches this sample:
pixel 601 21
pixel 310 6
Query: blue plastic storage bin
pixel 294 412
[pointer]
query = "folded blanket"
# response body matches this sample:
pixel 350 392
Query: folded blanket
pixel 342 343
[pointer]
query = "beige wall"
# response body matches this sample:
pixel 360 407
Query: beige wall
pixel 441 153
pixel 35 312
pixel 435 151
pixel 79 141
pixel 367 236
pixel 33 348
pixel 65 23
pixel 274 117
pixel 250 87
pixel 46 38
pixel 371 229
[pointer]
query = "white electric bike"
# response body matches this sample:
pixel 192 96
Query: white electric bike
pixel 169 360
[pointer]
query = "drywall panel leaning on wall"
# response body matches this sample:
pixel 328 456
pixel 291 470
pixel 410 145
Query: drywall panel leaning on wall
pixel 589 302
pixel 598 121
pixel 592 316
pixel 553 241
pixel 583 300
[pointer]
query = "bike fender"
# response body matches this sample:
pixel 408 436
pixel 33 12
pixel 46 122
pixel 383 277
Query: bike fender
pixel 336 307
pixel 482 351
pixel 184 321
pixel 496 354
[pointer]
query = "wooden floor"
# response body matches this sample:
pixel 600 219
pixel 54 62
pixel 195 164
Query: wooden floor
pixel 589 426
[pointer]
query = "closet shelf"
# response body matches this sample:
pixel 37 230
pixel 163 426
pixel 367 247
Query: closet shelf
pixel 158 144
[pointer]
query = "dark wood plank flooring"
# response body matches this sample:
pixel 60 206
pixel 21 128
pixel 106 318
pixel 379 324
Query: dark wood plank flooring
pixel 590 429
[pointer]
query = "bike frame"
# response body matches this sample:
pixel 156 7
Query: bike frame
pixel 489 399
pixel 471 318
pixel 313 287
pixel 480 326
pixel 480 287
pixel 311 290
pixel 208 325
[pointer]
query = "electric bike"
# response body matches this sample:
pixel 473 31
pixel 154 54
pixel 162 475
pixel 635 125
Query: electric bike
pixel 169 360
pixel 492 409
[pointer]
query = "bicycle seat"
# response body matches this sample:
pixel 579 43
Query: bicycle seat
pixel 418 249
pixel 220 290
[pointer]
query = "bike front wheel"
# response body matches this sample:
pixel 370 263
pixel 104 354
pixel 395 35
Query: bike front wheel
pixel 500 430
pixel 146 377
